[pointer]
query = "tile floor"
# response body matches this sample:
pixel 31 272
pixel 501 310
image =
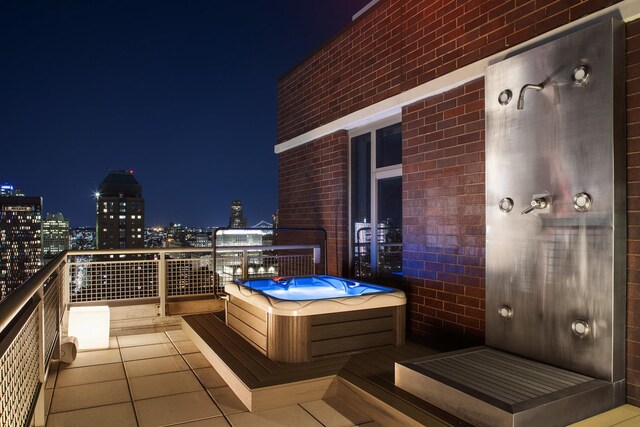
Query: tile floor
pixel 623 416
pixel 162 379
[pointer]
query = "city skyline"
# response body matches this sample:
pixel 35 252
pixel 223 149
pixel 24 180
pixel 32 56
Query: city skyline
pixel 184 95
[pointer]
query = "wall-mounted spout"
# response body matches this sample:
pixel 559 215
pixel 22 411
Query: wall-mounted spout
pixel 523 90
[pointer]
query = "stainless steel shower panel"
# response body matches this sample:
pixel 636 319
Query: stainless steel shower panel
pixel 557 264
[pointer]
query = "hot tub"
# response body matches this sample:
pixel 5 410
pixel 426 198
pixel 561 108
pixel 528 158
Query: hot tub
pixel 299 319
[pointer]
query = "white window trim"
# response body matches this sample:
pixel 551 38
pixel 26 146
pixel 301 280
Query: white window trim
pixel 377 174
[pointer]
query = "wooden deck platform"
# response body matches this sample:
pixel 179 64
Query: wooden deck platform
pixel 364 380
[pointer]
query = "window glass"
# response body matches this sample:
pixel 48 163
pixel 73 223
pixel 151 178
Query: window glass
pixel 361 203
pixel 361 178
pixel 376 225
pixel 389 145
pixel 390 225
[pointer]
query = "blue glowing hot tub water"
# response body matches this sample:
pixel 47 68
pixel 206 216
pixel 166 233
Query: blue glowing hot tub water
pixel 311 287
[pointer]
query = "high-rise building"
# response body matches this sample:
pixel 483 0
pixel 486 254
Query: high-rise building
pixel 237 219
pixel 119 212
pixel 83 238
pixel 20 240
pixel 175 235
pixel 55 235
pixel 8 190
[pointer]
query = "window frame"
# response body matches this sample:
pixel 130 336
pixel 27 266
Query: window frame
pixel 392 171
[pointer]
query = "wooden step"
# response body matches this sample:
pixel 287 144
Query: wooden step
pixel 363 379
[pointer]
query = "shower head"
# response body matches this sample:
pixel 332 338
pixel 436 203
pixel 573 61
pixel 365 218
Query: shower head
pixel 538 88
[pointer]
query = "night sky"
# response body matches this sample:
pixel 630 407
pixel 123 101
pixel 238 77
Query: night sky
pixel 181 92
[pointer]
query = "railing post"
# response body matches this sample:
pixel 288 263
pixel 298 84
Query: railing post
pixel 41 334
pixel 245 264
pixel 215 279
pixel 39 415
pixel 62 282
pixel 66 284
pixel 162 285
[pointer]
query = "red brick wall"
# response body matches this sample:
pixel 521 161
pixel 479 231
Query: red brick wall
pixel 359 67
pixel 444 212
pixel 313 190
pixel 443 147
pixel 400 44
pixel 633 214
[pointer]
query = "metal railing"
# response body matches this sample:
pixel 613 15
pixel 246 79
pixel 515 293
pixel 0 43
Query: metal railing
pixel 251 246
pixel 30 320
pixel 388 252
pixel 31 316
pixel 140 275
pixel 234 262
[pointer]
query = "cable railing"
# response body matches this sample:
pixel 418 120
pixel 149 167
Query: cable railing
pixel 31 317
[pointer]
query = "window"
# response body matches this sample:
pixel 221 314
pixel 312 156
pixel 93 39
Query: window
pixel 376 200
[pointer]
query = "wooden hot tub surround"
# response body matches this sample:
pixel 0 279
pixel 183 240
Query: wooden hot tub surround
pixel 303 331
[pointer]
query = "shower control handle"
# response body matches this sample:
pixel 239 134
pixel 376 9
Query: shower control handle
pixel 536 203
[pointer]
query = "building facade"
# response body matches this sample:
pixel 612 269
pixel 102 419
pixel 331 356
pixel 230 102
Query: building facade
pixel 55 235
pixel 119 212
pixel 9 190
pixel 411 73
pixel 20 240
pixel 237 219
